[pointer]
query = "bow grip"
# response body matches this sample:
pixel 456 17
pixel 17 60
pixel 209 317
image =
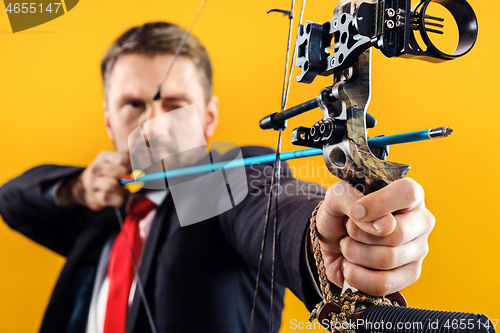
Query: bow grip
pixel 352 160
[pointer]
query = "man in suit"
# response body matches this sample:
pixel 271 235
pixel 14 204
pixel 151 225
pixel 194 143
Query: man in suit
pixel 201 276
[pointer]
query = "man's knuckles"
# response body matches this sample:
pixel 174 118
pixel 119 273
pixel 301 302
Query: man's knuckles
pixel 430 221
pixel 330 229
pixel 424 250
pixel 340 197
pixel 378 283
pixel 381 287
pixel 94 202
pixel 101 199
pixel 410 191
pixel 113 158
pixel 114 200
pixel 105 184
pixel 395 238
pixel 334 271
pixel 373 257
pixel 404 193
pixel 387 258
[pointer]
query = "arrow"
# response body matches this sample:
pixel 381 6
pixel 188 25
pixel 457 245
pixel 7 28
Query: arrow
pixel 433 133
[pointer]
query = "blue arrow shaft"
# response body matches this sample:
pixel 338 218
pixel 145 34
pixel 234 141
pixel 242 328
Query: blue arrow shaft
pixel 398 138
pixel 270 158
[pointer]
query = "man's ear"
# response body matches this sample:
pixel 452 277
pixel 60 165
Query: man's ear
pixel 212 117
pixel 107 121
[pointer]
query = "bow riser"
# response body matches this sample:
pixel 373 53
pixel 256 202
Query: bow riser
pixel 351 159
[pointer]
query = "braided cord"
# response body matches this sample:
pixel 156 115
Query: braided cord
pixel 340 322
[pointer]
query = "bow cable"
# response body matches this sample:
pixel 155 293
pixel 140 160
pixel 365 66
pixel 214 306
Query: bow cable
pixel 275 180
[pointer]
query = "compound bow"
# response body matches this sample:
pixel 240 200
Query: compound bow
pixel 342 47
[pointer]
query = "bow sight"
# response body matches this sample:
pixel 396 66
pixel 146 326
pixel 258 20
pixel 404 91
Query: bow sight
pixel 388 25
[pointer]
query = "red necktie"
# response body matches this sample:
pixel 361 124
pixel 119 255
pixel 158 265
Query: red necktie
pixel 121 271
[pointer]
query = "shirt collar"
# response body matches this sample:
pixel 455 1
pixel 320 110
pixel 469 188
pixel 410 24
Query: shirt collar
pixel 156 196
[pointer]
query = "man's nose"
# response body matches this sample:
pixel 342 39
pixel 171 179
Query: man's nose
pixel 155 110
pixel 157 121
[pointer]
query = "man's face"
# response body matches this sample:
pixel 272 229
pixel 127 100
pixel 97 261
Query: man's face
pixel 131 84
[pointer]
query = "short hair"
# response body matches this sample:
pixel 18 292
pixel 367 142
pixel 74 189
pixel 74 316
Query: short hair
pixel 159 38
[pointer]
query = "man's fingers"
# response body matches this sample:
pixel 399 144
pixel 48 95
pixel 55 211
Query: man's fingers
pixel 104 192
pixel 381 227
pixel 339 199
pixel 100 180
pixel 105 184
pixel 384 257
pixel 111 170
pixel 403 194
pixel 384 235
pixel 380 283
pixel 101 199
pixel 334 271
pixel 113 157
pixel 117 158
pixel 408 227
pixel 332 215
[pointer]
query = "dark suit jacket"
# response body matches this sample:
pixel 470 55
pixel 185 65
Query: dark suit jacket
pixel 197 278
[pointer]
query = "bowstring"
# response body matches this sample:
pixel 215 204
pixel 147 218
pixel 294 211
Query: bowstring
pixel 179 48
pixel 277 172
pixel 276 176
pixel 156 97
pixel 292 63
pixel 262 247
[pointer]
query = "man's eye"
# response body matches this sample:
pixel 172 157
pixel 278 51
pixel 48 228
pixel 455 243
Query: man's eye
pixel 136 105
pixel 174 107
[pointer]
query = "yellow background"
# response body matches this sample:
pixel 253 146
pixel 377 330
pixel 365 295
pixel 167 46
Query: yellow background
pixel 50 112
